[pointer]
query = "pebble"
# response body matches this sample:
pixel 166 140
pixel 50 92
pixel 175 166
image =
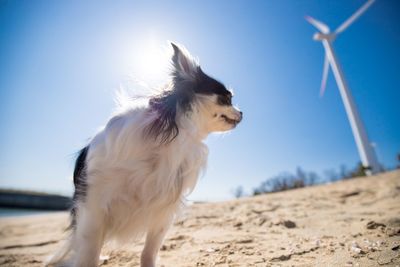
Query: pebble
pixel 289 224
pixel 374 225
pixel 238 224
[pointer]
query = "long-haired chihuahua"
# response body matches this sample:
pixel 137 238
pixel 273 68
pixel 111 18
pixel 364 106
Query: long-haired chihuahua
pixel 132 178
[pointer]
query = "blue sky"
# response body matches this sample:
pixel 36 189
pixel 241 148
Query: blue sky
pixel 61 61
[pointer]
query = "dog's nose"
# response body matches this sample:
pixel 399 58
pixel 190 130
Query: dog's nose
pixel 241 116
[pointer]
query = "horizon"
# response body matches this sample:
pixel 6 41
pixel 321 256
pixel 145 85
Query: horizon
pixel 62 63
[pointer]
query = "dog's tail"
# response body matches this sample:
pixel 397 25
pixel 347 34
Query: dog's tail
pixel 79 194
pixel 61 254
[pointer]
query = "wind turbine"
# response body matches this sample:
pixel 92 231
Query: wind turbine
pixel 365 149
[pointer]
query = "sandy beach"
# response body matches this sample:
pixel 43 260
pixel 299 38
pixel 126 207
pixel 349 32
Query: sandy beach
pixel 349 223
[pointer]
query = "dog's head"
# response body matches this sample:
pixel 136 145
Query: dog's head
pixel 192 92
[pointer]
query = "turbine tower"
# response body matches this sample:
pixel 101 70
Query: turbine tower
pixel 365 149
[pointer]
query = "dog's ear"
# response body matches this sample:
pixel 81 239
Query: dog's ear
pixel 184 65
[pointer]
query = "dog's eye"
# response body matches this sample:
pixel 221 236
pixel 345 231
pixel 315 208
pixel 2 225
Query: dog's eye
pixel 225 100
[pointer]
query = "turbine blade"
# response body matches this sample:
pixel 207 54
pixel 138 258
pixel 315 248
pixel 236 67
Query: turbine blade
pixel 355 16
pixel 318 24
pixel 324 76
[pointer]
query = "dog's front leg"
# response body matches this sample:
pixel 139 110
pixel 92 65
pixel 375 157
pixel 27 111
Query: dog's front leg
pixel 154 239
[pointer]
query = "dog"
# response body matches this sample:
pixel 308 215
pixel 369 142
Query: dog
pixel 132 178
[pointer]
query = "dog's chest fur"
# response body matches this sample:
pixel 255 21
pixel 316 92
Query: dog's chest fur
pixel 135 180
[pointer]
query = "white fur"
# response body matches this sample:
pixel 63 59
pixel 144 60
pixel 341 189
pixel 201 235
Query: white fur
pixel 137 186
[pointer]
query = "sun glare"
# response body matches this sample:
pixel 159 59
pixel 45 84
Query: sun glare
pixel 153 61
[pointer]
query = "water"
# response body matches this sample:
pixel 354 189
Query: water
pixel 7 212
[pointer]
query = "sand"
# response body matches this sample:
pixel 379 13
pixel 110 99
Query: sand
pixel 348 223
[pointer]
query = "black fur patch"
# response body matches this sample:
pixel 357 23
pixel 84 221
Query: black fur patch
pixel 80 182
pixel 164 128
pixel 208 85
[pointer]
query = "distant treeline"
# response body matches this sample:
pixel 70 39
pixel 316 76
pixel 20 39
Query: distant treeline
pixel 33 200
pixel 301 178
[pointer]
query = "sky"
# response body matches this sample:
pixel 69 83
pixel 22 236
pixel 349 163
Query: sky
pixel 62 61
